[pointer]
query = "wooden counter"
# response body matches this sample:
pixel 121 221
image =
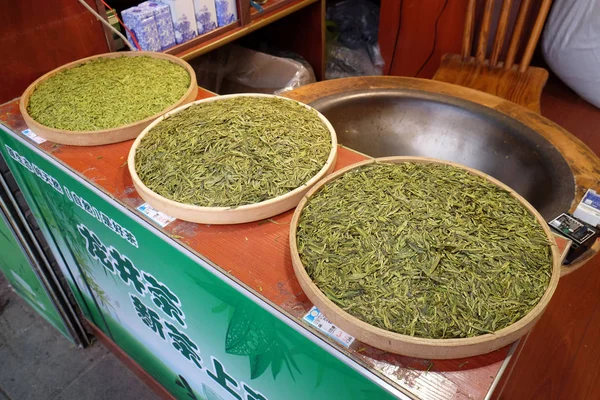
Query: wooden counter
pixel 261 260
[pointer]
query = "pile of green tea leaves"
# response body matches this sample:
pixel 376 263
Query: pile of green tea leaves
pixel 233 152
pixel 107 93
pixel 424 250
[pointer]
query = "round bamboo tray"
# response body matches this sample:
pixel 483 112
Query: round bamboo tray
pixel 104 136
pixel 409 345
pixel 228 215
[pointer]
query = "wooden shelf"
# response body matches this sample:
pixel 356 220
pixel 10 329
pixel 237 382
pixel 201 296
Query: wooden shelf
pixel 191 46
pixel 273 11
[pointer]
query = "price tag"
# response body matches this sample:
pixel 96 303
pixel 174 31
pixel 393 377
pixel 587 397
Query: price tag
pixel 33 136
pixel 588 210
pixel 319 321
pixel 592 199
pixel 160 218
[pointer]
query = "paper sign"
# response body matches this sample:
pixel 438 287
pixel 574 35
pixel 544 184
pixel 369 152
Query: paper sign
pixel 319 321
pixel 588 209
pixel 160 218
pixel 33 136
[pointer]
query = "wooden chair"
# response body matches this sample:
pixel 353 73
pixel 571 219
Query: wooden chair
pixel 518 83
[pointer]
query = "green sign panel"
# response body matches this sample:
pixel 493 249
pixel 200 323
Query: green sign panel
pixel 16 266
pixel 196 331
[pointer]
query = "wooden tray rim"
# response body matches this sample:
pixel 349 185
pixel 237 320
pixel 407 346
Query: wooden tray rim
pixel 415 346
pixel 54 133
pixel 186 211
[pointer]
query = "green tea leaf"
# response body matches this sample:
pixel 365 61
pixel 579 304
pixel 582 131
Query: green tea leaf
pixel 233 152
pixel 424 250
pixel 108 93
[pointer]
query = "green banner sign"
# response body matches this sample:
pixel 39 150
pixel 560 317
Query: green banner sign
pixel 16 266
pixel 195 330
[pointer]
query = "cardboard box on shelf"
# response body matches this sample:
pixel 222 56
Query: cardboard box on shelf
pixel 164 23
pixel 206 15
pixel 226 12
pixel 184 19
pixel 141 22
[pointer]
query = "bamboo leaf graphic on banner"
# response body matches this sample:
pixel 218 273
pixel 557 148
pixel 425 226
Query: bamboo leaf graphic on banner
pixel 66 218
pixel 57 218
pixel 289 360
pixel 287 356
pixel 276 366
pixel 250 331
pixel 101 295
pixel 259 364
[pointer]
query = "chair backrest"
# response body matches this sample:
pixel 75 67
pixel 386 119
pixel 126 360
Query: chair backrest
pixel 499 40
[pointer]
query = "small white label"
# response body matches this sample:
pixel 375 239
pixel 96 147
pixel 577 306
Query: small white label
pixel 588 210
pixel 33 136
pixel 592 199
pixel 319 321
pixel 160 218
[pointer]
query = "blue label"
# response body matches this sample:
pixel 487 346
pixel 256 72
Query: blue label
pixel 319 321
pixel 591 199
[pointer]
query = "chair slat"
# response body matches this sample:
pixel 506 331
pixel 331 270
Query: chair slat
pixel 484 31
pixel 468 32
pixel 516 36
pixel 535 35
pixel 500 32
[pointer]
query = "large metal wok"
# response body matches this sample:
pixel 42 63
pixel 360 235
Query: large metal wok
pixel 406 122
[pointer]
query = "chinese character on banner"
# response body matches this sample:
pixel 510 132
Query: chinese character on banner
pixel 164 298
pixel 222 378
pixel 95 247
pixel 184 345
pixel 252 395
pixel 181 381
pixel 127 271
pixel 148 316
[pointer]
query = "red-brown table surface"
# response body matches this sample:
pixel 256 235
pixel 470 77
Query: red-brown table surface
pixel 258 255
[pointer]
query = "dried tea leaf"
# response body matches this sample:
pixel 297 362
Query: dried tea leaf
pixel 233 152
pixel 424 250
pixel 108 93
